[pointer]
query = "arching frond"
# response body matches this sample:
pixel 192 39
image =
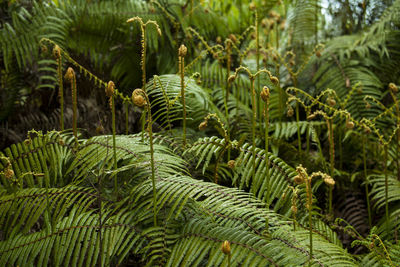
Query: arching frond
pixel 165 92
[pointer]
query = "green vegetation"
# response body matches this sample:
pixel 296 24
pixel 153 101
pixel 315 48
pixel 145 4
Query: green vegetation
pixel 227 133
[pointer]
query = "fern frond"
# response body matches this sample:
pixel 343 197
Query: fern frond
pixel 165 92
pixel 132 154
pixel 38 162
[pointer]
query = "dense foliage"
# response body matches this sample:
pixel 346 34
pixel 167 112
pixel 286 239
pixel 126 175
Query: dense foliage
pixel 261 133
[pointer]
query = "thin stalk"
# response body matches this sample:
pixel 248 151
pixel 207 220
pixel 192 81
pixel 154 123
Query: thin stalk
pixel 182 74
pixel 366 184
pixel 340 151
pixel 47 216
pixel 398 153
pixel 385 147
pixel 227 88
pixel 277 36
pixel 309 193
pixel 60 91
pixel 332 160
pixel 74 109
pixel 143 122
pixel 253 128
pixel 126 118
pixel 140 98
pixel 100 222
pixel 225 92
pixel 237 95
pixel 114 141
pixel 153 179
pixel 308 140
pixel 166 101
pixel 298 127
pixel 143 63
pixel 258 62
pixel 229 260
pixel 316 22
pixel 266 150
pixel 297 119
pixel 217 162
pixel 280 92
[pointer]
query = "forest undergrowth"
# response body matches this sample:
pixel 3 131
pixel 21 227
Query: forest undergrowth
pixel 200 133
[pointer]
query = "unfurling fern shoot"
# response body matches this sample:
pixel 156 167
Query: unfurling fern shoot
pixel 143 44
pixel 227 144
pixel 71 78
pixel 226 249
pixel 110 89
pixel 265 96
pixel 303 177
pixel 368 124
pixel 140 99
pixel 329 123
pixel 252 78
pixel 143 55
pixel 182 53
pixel 57 55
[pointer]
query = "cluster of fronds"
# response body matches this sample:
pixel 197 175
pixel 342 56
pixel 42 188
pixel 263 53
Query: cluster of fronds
pixel 230 190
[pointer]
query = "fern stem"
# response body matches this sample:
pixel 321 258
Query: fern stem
pixel 332 160
pixel 297 118
pixel 253 128
pixel 114 141
pixel 340 150
pixel 60 91
pixel 398 152
pixel 331 146
pixel 298 127
pixel 182 75
pixel 100 222
pixel 143 61
pixel 308 140
pixel 237 96
pixel 366 184
pixel 126 117
pixel 280 92
pixel 153 179
pixel 218 161
pixel 143 122
pixel 277 37
pixel 227 88
pixel 316 22
pixel 143 64
pixel 309 200
pixel 47 214
pixel 258 62
pixel 385 160
pixel 74 107
pixel 266 150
